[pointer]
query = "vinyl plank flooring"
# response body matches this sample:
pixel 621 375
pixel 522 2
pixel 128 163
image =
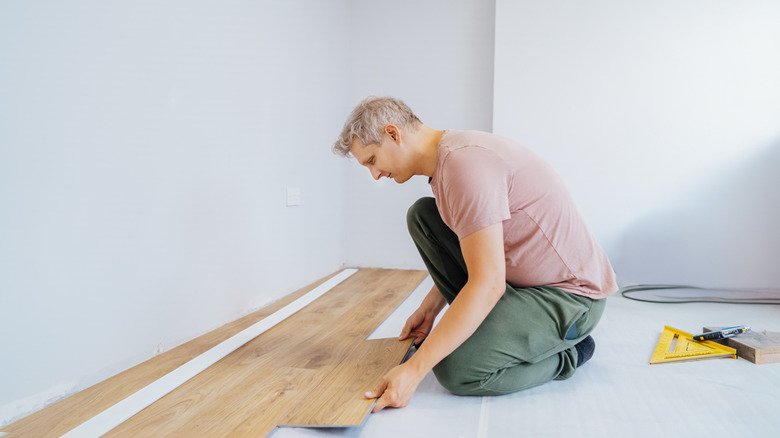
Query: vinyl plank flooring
pixel 345 387
pixel 59 418
pixel 312 367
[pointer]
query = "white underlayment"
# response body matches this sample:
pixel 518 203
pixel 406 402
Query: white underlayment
pixel 392 326
pixel 616 394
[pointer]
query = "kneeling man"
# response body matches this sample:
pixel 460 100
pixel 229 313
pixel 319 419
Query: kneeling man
pixel 505 246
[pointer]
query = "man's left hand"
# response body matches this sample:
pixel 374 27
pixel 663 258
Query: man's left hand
pixel 396 388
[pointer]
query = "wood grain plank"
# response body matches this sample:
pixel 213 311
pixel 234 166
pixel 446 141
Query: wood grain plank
pixel 345 386
pixel 268 381
pixel 58 418
pixel 755 346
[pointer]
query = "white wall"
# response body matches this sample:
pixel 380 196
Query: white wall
pixel 437 56
pixel 722 233
pixel 656 114
pixel 145 148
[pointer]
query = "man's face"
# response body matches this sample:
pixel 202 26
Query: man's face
pixel 382 160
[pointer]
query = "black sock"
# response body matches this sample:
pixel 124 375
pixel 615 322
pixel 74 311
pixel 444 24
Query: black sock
pixel 585 349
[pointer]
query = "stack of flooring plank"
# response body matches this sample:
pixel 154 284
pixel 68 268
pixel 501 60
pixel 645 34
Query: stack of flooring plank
pixel 310 369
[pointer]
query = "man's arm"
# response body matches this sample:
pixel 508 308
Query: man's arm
pixel 420 323
pixel 483 252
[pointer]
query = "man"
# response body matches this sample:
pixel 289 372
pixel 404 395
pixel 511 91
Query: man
pixel 505 246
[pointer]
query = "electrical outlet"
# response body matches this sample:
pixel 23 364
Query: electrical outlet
pixel 293 196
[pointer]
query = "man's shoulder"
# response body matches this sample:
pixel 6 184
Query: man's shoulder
pixel 458 138
pixel 479 140
pixel 472 156
pixel 465 147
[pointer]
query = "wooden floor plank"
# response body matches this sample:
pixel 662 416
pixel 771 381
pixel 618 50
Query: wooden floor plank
pixel 756 346
pixel 359 372
pixel 59 418
pixel 312 367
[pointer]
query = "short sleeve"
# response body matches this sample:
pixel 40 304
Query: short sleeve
pixel 475 189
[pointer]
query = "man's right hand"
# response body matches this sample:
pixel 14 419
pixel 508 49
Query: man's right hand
pixel 418 325
pixel 421 322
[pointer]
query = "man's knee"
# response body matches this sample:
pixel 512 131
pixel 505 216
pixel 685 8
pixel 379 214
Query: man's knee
pixel 458 379
pixel 418 211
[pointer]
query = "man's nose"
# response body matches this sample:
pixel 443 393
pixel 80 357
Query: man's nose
pixel 375 173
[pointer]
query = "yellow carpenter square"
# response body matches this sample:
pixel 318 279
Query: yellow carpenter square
pixel 678 346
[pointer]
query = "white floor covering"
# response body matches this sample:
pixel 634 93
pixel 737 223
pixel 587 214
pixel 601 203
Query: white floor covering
pixel 616 394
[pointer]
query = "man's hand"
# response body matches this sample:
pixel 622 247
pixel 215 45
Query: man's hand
pixel 483 252
pixel 396 388
pixel 418 325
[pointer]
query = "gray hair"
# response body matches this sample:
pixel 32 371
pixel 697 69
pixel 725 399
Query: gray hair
pixel 367 122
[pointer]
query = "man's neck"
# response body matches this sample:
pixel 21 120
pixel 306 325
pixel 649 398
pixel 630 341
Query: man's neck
pixel 428 152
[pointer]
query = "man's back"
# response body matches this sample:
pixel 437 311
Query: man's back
pixel 482 179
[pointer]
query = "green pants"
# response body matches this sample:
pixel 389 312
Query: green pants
pixel 526 340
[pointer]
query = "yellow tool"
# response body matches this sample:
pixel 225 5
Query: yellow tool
pixel 678 346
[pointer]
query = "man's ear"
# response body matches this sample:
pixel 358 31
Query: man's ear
pixel 393 132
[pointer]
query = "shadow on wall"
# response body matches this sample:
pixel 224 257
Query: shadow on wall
pixel 725 235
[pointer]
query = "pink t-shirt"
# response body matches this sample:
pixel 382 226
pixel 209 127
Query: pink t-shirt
pixel 482 179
